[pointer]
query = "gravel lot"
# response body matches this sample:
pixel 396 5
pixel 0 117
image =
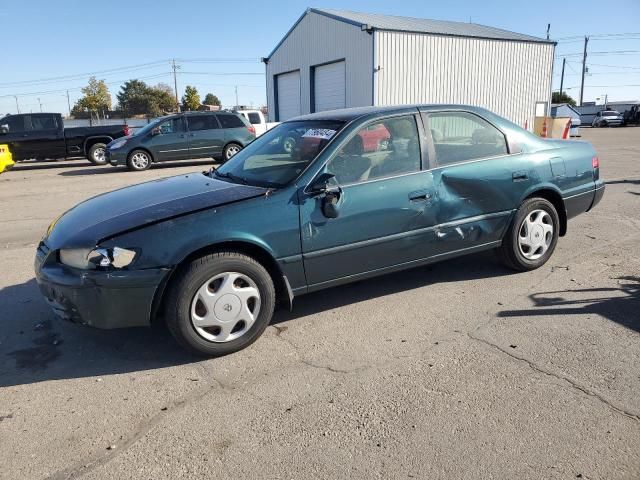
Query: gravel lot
pixel 457 370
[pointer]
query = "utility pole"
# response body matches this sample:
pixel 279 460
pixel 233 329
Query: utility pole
pixel 548 28
pixel 17 106
pixel 564 60
pixel 237 104
pixel 584 68
pixel 40 104
pixel 69 102
pixel 174 67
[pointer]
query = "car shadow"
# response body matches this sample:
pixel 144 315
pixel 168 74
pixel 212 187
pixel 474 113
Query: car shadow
pixel 36 347
pixel 632 181
pixel 206 163
pixel 620 305
pixel 49 164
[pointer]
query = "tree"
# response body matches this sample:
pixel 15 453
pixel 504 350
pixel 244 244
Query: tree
pixel 190 99
pixel 96 96
pixel 211 99
pixel 133 97
pixel 138 98
pixel 562 97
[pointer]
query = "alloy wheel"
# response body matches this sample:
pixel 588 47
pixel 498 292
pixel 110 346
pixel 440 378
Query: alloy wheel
pixel 140 160
pixel 232 150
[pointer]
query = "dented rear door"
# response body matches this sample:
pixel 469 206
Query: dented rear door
pixel 477 182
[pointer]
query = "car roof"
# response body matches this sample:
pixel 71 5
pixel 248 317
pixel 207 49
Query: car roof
pixel 349 114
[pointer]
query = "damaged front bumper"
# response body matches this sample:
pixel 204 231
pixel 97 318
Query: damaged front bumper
pixel 101 299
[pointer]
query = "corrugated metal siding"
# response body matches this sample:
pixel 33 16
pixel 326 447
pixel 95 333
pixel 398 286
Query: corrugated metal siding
pixel 317 40
pixel 506 77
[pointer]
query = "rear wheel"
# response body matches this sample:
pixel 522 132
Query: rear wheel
pixel 230 150
pixel 220 303
pixel 532 236
pixel 97 154
pixel 139 160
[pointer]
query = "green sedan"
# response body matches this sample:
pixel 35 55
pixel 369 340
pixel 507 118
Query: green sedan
pixel 362 192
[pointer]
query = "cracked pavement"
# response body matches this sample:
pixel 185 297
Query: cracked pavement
pixel 455 370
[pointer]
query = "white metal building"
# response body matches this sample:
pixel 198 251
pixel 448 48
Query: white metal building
pixel 335 59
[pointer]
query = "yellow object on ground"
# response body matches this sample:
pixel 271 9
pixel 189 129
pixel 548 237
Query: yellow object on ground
pixel 6 160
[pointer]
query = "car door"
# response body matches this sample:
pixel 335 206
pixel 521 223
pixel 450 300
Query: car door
pixel 206 138
pixel 44 136
pixel 169 140
pixel 385 206
pixel 478 182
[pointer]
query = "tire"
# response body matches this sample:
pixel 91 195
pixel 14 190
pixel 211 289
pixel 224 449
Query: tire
pixel 289 144
pixel 202 328
pixel 96 154
pixel 230 150
pixel 541 235
pixel 139 160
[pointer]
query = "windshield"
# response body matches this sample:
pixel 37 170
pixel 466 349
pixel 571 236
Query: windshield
pixel 148 127
pixel 280 155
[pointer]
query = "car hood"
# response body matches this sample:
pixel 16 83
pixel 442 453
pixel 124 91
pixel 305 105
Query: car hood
pixel 133 207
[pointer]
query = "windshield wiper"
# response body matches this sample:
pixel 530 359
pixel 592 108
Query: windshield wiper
pixel 231 176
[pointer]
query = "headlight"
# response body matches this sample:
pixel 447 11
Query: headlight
pixel 117 144
pixel 92 258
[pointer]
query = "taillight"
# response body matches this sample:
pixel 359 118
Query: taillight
pixel 127 131
pixel 595 162
pixel 252 129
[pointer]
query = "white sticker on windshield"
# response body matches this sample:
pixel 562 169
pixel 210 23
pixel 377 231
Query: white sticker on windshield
pixel 323 133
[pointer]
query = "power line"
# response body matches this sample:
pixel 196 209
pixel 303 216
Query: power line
pixel 598 35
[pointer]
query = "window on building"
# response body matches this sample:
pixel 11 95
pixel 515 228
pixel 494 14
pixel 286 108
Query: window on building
pixel 462 136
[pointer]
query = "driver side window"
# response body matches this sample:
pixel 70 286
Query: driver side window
pixel 385 148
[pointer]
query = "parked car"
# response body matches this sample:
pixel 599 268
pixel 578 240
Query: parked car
pixel 258 120
pixel 6 159
pixel 183 136
pixel 212 253
pixel 43 135
pixel 632 116
pixel 607 118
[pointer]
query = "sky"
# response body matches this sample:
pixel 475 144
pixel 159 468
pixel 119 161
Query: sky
pixel 218 45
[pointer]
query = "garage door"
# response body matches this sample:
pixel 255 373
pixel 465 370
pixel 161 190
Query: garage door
pixel 329 86
pixel 288 95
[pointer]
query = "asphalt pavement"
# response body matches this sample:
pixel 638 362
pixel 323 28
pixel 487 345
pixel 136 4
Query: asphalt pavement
pixel 461 369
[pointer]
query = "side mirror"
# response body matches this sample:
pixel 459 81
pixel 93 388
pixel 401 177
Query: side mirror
pixel 320 184
pixel 329 205
pixel 330 194
pixel 4 129
pixel 156 131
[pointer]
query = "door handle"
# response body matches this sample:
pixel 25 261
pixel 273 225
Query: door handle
pixel 519 176
pixel 420 196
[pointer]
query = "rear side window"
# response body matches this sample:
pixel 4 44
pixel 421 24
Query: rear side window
pixel 254 118
pixel 228 120
pixel 13 124
pixel 43 122
pixel 202 122
pixel 462 136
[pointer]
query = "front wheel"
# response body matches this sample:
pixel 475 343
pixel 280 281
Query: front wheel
pixel 230 150
pixel 220 303
pixel 139 160
pixel 532 236
pixel 97 154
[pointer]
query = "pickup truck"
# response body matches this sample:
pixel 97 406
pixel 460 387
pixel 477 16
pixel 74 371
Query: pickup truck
pixel 256 118
pixel 42 135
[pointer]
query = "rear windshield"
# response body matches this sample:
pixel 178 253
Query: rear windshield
pixel 610 113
